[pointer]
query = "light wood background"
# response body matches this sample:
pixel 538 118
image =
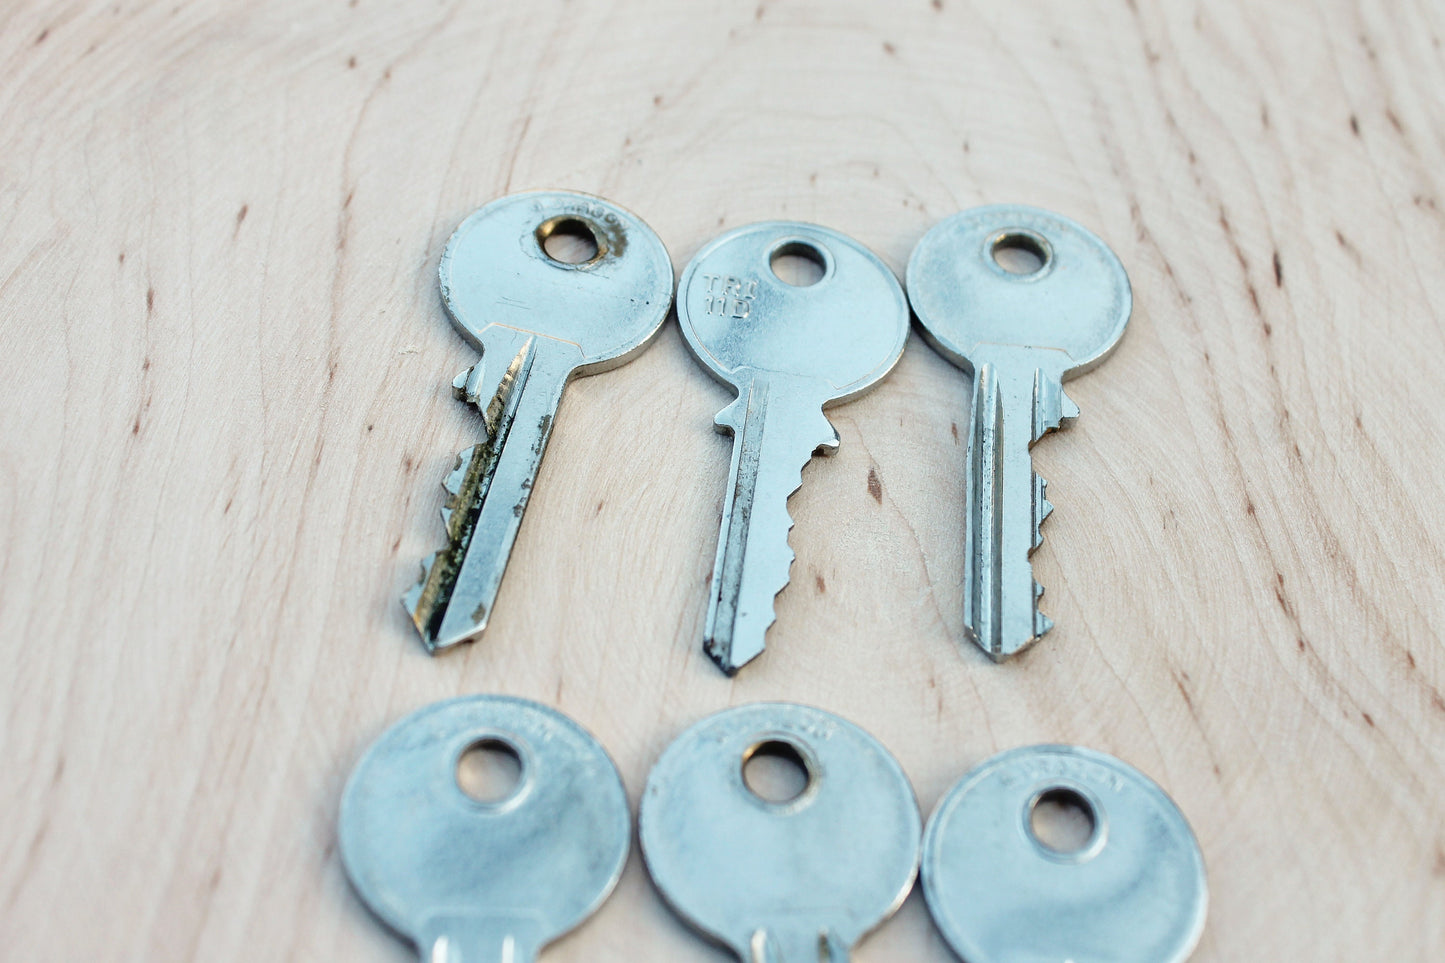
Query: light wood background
pixel 227 418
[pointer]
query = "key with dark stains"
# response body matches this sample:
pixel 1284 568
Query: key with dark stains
pixel 540 318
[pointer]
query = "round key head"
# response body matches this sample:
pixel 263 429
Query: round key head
pixel 845 330
pixel 1018 276
pixel 610 300
pixel 441 866
pixel 1007 884
pixel 838 857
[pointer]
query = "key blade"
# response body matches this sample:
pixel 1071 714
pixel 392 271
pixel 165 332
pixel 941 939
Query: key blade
pixel 1017 399
pixel 517 388
pixel 753 556
pixel 481 938
pixel 777 945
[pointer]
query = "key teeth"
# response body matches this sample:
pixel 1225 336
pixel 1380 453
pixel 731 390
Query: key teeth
pixel 1052 408
pixel 728 643
pixel 1068 411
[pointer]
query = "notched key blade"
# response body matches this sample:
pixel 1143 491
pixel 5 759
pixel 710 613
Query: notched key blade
pixel 427 602
pixel 489 387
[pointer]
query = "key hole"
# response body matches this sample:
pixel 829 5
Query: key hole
pixel 490 771
pixel 1062 821
pixel 568 240
pixel 775 771
pixel 1021 253
pixel 798 263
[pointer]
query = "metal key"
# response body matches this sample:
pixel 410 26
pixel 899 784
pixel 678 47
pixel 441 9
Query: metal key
pixel 484 882
pixel 1132 888
pixel 790 351
pixel 794 881
pixel 1021 333
pixel 539 322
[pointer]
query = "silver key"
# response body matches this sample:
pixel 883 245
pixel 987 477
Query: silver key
pixel 1130 888
pixel 793 881
pixel 484 882
pixel 790 351
pixel 1021 333
pixel 539 322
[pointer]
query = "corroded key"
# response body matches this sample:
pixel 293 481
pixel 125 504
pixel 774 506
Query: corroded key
pixel 789 351
pixel 1023 299
pixel 539 321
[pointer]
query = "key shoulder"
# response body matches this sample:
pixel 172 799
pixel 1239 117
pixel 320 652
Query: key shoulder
pixel 1078 303
pixel 846 331
pixel 495 271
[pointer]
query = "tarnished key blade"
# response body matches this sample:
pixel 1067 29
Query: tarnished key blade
pixel 1005 498
pixel 517 388
pixel 753 555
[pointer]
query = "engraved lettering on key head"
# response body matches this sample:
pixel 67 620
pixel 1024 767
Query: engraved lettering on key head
pixel 539 322
pixel 790 351
pixel 1130 887
pixel 780 880
pixel 1023 299
pixel 471 881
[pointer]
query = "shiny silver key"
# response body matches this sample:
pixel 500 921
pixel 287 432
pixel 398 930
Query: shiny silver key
pixel 789 351
pixel 484 882
pixel 794 881
pixel 1132 890
pixel 539 322
pixel 1021 335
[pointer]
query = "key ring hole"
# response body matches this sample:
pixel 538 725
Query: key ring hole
pixel 776 771
pixel 798 263
pixel 1022 254
pixel 490 771
pixel 1065 823
pixel 570 240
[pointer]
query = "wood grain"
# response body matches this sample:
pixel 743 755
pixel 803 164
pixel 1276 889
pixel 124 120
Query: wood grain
pixel 227 421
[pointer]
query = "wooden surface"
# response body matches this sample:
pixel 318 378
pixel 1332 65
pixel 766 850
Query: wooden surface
pixel 227 419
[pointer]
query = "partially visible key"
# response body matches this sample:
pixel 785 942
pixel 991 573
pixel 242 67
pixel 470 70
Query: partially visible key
pixel 539 322
pixel 795 880
pixel 789 351
pixel 1023 299
pixel 471 881
pixel 1130 887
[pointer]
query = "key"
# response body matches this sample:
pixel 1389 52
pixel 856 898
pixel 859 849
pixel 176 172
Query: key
pixel 1021 329
pixel 491 880
pixel 539 322
pixel 789 351
pixel 780 880
pixel 1129 886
